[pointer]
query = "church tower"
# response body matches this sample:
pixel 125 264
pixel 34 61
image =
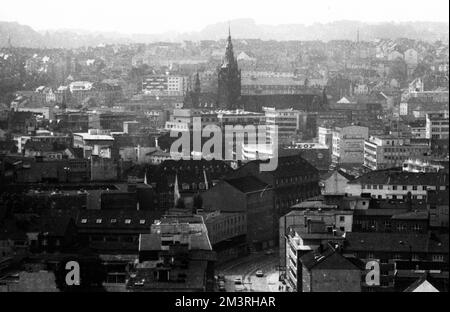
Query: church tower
pixel 229 79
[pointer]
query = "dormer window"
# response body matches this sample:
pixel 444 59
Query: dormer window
pixel 98 221
pixel 127 221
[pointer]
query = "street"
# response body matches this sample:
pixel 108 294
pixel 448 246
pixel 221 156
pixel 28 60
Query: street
pixel 245 268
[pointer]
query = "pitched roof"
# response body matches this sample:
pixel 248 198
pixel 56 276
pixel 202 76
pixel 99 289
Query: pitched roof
pixel 247 184
pixel 327 259
pixel 421 285
pixel 390 177
pixel 396 242
pixel 412 215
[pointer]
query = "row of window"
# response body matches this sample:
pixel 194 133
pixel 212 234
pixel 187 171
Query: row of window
pixel 402 227
pixel 112 221
pixel 398 256
pixel 394 187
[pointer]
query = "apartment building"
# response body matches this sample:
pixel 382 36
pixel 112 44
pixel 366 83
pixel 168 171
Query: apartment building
pixel 287 122
pixel 437 125
pixel 388 151
pixel 391 184
pixel 348 144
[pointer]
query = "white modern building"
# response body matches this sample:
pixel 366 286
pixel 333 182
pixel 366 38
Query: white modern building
pixel 348 144
pixel 164 85
pixel 437 125
pixel 382 152
pixel 286 121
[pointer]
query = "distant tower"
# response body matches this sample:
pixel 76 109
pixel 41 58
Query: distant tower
pixel 197 88
pixel 229 79
pixel 357 44
pixel 195 94
pixel 9 42
pixel 192 98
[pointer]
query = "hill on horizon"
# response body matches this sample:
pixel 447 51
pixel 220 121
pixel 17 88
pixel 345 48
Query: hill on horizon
pixel 25 36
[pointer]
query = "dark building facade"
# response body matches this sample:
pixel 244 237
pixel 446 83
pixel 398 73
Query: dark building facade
pixel 229 80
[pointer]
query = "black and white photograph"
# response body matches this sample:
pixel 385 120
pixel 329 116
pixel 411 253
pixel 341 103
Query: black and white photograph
pixel 211 149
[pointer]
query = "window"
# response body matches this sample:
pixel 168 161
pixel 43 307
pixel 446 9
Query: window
pixel 370 255
pixel 380 187
pixel 438 258
pixel 98 221
pixel 397 256
pixel 415 257
pixel 83 221
pixel 401 227
pixel 414 187
pixel 394 187
pixel 127 221
pixel 424 187
pixel 404 187
pixel 375 187
pixel 113 220
pixel 341 218
pixel 142 221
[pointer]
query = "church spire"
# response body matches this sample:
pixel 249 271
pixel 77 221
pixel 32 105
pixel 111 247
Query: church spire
pixel 229 54
pixel 229 79
pixel 197 84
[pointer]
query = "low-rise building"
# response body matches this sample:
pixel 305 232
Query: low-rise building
pixel 335 182
pixel 251 196
pixel 175 256
pixel 392 184
pixel 425 164
pixel 397 253
pixel 94 137
pixel 348 144
pixel 437 125
pixel 326 270
pixel 382 152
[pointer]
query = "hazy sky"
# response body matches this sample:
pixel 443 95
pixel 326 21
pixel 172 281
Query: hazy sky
pixel 156 16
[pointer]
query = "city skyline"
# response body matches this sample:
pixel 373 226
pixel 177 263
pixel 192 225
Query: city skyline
pixel 149 18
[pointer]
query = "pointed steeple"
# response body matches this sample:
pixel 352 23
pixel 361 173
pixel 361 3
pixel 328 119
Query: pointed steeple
pixel 197 84
pixel 176 190
pixel 229 54
pixel 229 78
pixel 206 179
